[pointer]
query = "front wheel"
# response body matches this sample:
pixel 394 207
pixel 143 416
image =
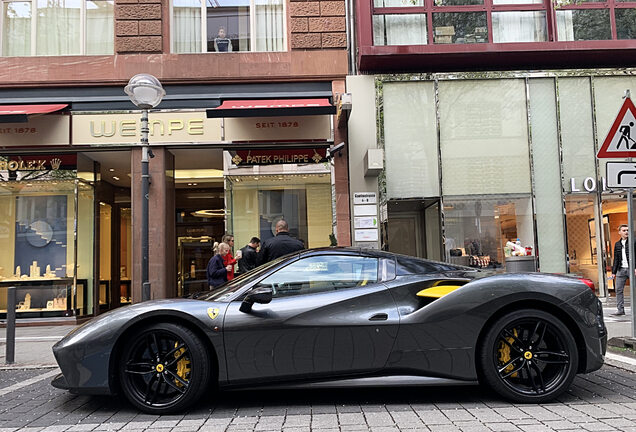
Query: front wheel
pixel 529 356
pixel 163 368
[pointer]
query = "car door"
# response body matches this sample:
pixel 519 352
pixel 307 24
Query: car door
pixel 329 315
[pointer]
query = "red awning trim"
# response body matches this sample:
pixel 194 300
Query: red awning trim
pixel 30 109
pixel 272 108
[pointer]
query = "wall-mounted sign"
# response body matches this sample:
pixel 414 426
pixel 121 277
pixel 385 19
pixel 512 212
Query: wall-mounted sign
pixel 365 210
pixel 365 222
pixel 365 198
pixel 366 235
pixel 16 167
pixel 45 130
pixel 589 184
pixel 279 156
pixel 278 128
pixel 123 129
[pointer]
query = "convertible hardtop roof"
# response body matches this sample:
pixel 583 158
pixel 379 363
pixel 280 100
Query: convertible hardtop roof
pixel 408 264
pixel 349 250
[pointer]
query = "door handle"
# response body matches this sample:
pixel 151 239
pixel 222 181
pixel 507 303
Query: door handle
pixel 379 317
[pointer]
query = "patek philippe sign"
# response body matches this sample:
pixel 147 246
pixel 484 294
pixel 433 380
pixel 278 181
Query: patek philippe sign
pixel 316 127
pixel 280 156
pixel 45 130
pixel 123 129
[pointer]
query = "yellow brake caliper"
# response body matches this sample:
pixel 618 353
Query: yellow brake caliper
pixel 183 365
pixel 504 353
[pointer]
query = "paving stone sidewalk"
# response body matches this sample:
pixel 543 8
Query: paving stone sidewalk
pixel 601 401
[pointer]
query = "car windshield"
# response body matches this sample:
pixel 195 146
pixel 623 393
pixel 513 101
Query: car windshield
pixel 225 291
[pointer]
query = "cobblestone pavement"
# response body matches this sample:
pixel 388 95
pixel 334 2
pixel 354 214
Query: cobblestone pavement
pixel 604 400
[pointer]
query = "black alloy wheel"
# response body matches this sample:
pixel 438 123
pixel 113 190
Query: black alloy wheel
pixel 163 368
pixel 529 356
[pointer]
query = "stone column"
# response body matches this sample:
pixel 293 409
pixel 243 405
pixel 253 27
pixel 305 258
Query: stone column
pixel 161 225
pixel 317 24
pixel 341 180
pixel 138 25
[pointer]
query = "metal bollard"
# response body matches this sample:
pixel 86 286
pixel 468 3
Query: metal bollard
pixel 10 351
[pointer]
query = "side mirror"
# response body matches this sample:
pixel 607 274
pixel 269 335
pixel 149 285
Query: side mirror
pixel 261 295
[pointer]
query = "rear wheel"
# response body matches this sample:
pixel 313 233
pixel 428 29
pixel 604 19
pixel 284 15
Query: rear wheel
pixel 529 356
pixel 163 368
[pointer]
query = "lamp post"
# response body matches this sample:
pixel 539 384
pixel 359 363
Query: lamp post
pixel 145 92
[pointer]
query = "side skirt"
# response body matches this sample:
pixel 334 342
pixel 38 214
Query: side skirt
pixel 382 381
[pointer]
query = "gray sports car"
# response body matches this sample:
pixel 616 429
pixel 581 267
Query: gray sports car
pixel 343 316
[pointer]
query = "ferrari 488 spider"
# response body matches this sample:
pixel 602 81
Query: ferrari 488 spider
pixel 343 316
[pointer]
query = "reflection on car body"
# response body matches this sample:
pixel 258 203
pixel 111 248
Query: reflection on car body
pixel 338 316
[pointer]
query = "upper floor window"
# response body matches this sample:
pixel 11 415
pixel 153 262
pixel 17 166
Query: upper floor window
pixel 419 22
pixel 227 25
pixel 57 27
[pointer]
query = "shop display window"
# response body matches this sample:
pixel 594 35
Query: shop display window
pixel 125 250
pixel 478 230
pixel 46 224
pixel 304 201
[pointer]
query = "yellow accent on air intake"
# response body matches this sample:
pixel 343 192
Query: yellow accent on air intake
pixel 438 291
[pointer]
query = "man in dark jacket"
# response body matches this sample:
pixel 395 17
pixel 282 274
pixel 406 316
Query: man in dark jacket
pixel 249 255
pixel 620 268
pixel 280 245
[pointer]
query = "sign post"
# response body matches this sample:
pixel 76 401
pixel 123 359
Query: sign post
pixel 623 175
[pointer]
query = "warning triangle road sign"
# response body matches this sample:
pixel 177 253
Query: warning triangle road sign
pixel 621 138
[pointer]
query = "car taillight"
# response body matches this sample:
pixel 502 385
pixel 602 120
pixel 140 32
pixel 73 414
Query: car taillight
pixel 589 283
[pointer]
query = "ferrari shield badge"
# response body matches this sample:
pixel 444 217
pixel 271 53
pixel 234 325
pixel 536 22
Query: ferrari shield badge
pixel 213 312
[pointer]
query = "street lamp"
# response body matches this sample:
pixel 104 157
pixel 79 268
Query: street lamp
pixel 146 92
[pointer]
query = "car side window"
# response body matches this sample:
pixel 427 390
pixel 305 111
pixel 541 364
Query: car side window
pixel 322 273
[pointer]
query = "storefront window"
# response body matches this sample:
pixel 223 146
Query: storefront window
pixel 484 137
pixel 46 226
pixel 410 140
pixel 105 253
pixel 258 202
pixel 546 172
pixel 478 230
pixel 584 240
pixel 125 251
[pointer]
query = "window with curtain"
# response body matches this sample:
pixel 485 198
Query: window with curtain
pixel 450 22
pixel 522 26
pixel 57 27
pixel 16 29
pixel 228 26
pixel 402 29
pixel 186 26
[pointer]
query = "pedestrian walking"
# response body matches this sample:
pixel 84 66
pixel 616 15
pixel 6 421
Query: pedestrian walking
pixel 249 255
pixel 217 271
pixel 229 259
pixel 282 244
pixel 620 268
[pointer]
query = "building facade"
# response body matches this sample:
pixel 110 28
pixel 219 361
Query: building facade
pixel 489 116
pixel 239 141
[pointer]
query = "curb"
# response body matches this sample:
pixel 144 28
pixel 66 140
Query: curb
pixel 27 366
pixel 621 362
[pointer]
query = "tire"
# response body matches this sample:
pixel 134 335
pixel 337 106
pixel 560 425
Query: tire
pixel 163 368
pixel 528 356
